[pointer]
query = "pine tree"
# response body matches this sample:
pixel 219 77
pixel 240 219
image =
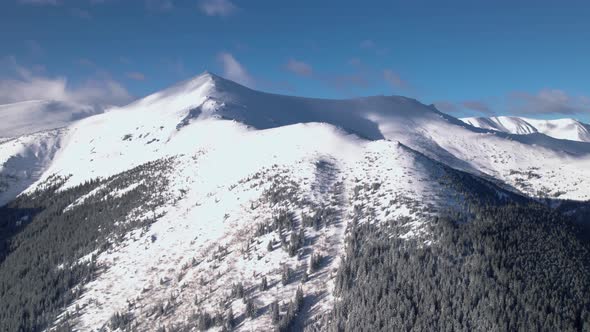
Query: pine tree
pixel 251 309
pixel 286 275
pixel 264 284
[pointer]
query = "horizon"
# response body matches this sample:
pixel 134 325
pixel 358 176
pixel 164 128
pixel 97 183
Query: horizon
pixel 468 59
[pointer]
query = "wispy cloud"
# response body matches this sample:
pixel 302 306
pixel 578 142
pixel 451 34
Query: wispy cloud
pixel 465 107
pixel 27 85
pixel 134 75
pixel 544 102
pixel 394 79
pixel 234 70
pixel 299 67
pixel 217 7
pixel 447 106
pixel 344 82
pixel 548 101
pixel 478 106
pixel 361 77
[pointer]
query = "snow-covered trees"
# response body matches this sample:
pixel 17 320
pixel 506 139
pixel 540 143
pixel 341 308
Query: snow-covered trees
pixel 60 230
pixel 508 268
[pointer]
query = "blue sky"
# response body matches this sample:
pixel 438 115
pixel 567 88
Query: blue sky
pixel 529 58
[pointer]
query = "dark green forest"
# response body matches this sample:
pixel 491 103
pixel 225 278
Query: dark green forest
pixel 510 268
pixel 41 241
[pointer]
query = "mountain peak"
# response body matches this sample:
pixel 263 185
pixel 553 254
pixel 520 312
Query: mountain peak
pixel 206 75
pixel 183 95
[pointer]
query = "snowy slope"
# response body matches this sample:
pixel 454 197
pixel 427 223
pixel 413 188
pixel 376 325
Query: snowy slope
pixel 160 125
pixel 30 135
pixel 24 159
pixel 223 188
pixel 241 157
pixel 39 115
pixel 569 129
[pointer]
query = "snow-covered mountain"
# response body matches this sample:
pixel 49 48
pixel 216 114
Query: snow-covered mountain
pixel 177 120
pixel 569 129
pixel 207 181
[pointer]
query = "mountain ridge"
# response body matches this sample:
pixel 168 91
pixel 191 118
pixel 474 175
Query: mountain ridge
pixel 123 137
pixel 210 205
pixel 566 128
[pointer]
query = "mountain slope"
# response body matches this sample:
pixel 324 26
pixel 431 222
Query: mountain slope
pixel 30 135
pixel 568 129
pixel 209 204
pixel 160 125
pixel 219 210
pixel 24 159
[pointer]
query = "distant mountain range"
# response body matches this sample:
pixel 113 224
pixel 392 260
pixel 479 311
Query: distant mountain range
pixel 569 129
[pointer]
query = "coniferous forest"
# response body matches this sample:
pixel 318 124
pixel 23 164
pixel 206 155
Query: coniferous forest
pixel 494 267
pixel 43 235
pixel 510 268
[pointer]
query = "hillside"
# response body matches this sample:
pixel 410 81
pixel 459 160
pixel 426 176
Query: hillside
pixel 209 205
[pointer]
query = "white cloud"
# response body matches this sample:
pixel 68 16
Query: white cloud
pixel 29 86
pixel 217 7
pixel 233 70
pixel 299 67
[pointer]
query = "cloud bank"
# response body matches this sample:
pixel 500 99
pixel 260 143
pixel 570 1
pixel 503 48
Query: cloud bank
pixel 548 101
pixel 27 85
